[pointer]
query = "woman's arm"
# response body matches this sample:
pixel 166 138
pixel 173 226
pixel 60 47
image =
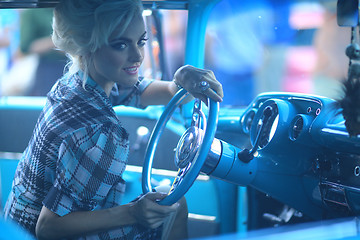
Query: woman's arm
pixel 52 226
pixel 188 77
pixel 144 211
pixel 158 93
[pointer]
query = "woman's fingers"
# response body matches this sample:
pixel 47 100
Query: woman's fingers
pixel 214 83
pixel 155 196
pixel 149 213
pixel 215 90
pixel 154 207
pixel 213 95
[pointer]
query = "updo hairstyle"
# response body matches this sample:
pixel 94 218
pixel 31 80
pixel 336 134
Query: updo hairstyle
pixel 80 27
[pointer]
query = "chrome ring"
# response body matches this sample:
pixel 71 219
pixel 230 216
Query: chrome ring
pixel 203 86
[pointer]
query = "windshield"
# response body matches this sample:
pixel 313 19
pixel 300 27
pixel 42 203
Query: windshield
pixel 261 46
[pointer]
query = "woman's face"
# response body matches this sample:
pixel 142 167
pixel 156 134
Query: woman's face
pixel 119 62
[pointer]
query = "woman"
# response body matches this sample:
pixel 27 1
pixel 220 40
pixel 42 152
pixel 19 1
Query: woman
pixel 69 181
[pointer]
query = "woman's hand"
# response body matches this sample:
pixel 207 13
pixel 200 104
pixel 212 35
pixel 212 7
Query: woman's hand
pixel 149 213
pixel 200 83
pixel 145 211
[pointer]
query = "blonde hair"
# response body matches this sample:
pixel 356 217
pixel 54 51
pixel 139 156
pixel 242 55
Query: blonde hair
pixel 80 27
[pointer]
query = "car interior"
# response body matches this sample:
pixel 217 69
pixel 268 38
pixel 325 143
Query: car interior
pixel 278 158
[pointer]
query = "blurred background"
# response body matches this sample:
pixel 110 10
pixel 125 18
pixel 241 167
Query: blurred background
pixel 252 47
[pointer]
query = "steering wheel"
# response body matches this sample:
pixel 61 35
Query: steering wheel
pixel 191 151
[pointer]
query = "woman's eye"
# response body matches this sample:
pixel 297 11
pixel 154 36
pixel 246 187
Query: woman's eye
pixel 142 42
pixel 118 45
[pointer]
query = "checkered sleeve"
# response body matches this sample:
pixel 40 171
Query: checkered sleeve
pixel 89 168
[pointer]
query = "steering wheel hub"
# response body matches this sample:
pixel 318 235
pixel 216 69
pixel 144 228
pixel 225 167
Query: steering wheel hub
pixel 188 146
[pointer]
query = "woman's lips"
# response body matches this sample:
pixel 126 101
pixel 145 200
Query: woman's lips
pixel 132 70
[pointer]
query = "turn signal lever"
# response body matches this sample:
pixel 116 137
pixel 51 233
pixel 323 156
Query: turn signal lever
pixel 247 155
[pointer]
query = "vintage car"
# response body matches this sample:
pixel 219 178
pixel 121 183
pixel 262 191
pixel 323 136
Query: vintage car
pixel 275 159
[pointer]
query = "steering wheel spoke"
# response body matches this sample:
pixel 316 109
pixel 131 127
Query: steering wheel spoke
pixel 195 120
pixel 179 177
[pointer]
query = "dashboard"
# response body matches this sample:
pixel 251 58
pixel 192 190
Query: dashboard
pixel 290 116
pixel 303 155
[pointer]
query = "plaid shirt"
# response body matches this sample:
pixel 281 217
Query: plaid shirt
pixel 76 156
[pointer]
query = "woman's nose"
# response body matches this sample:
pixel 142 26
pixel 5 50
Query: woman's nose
pixel 137 54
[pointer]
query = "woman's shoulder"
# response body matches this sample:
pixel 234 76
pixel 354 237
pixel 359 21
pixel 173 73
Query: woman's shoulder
pixel 70 94
pixel 66 111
